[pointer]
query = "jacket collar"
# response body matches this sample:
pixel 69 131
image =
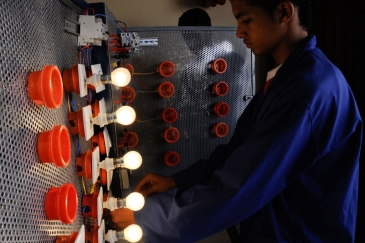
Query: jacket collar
pixel 309 43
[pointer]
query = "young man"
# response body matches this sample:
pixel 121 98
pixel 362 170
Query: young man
pixel 290 170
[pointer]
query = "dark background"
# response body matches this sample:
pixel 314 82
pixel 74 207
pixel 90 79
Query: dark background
pixel 340 30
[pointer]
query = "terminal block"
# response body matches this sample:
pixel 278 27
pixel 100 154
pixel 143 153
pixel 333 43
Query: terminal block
pixel 134 41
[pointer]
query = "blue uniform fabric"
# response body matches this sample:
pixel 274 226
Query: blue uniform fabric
pixel 288 174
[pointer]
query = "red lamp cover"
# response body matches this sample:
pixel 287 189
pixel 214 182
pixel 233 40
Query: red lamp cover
pixel 219 65
pixel 129 67
pixel 220 88
pixel 220 129
pixel 169 115
pixel 171 135
pixel 171 158
pixel 166 89
pixel 221 109
pixel 166 69
pixel 128 94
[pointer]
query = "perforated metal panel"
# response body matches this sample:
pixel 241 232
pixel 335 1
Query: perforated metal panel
pixel 192 50
pixel 31 34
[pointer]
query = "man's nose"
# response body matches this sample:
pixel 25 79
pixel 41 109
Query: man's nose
pixel 241 33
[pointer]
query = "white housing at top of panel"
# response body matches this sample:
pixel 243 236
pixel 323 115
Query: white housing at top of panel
pixel 92 31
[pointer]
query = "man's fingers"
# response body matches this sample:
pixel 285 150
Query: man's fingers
pixel 141 184
pixel 140 189
pixel 149 191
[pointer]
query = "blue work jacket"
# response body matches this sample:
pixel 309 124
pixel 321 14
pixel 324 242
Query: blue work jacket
pixel 289 172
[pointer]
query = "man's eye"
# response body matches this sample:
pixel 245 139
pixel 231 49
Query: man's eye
pixel 246 21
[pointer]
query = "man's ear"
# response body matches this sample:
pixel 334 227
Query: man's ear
pixel 286 10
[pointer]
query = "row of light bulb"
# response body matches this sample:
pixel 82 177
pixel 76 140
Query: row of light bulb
pixel 131 160
pixel 125 115
pixel 119 77
pixel 133 233
pixel 135 201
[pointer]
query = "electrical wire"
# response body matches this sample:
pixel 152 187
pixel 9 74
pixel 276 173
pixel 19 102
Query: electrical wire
pixel 168 98
pixel 150 141
pixel 118 49
pixel 83 185
pixel 149 120
pixel 145 73
pixel 118 21
pixel 147 91
pixel 140 83
pixel 94 187
pixel 116 24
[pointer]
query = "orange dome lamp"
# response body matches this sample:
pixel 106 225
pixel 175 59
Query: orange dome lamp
pixel 45 87
pixel 71 79
pixel 61 203
pixel 54 146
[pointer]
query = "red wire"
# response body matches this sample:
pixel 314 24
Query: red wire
pixel 140 83
pixel 117 49
pixel 126 30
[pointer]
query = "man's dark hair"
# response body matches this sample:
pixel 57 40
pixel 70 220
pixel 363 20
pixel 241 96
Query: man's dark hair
pixel 304 9
pixel 194 17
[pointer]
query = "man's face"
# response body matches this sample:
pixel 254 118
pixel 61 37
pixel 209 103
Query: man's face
pixel 259 31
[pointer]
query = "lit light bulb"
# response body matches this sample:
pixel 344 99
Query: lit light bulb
pixel 125 115
pixel 134 201
pixel 121 77
pixel 133 233
pixel 132 160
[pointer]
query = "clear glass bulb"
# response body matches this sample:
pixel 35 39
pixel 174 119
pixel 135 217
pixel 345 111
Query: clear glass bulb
pixel 134 201
pixel 125 115
pixel 133 233
pixel 121 77
pixel 132 160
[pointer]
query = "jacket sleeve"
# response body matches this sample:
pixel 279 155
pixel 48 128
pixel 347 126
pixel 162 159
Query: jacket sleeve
pixel 280 148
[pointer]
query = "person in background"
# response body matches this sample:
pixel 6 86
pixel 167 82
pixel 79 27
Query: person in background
pixel 195 17
pixel 290 171
pixel 196 41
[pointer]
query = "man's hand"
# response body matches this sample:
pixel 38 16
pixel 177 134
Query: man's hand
pixel 152 184
pixel 120 218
